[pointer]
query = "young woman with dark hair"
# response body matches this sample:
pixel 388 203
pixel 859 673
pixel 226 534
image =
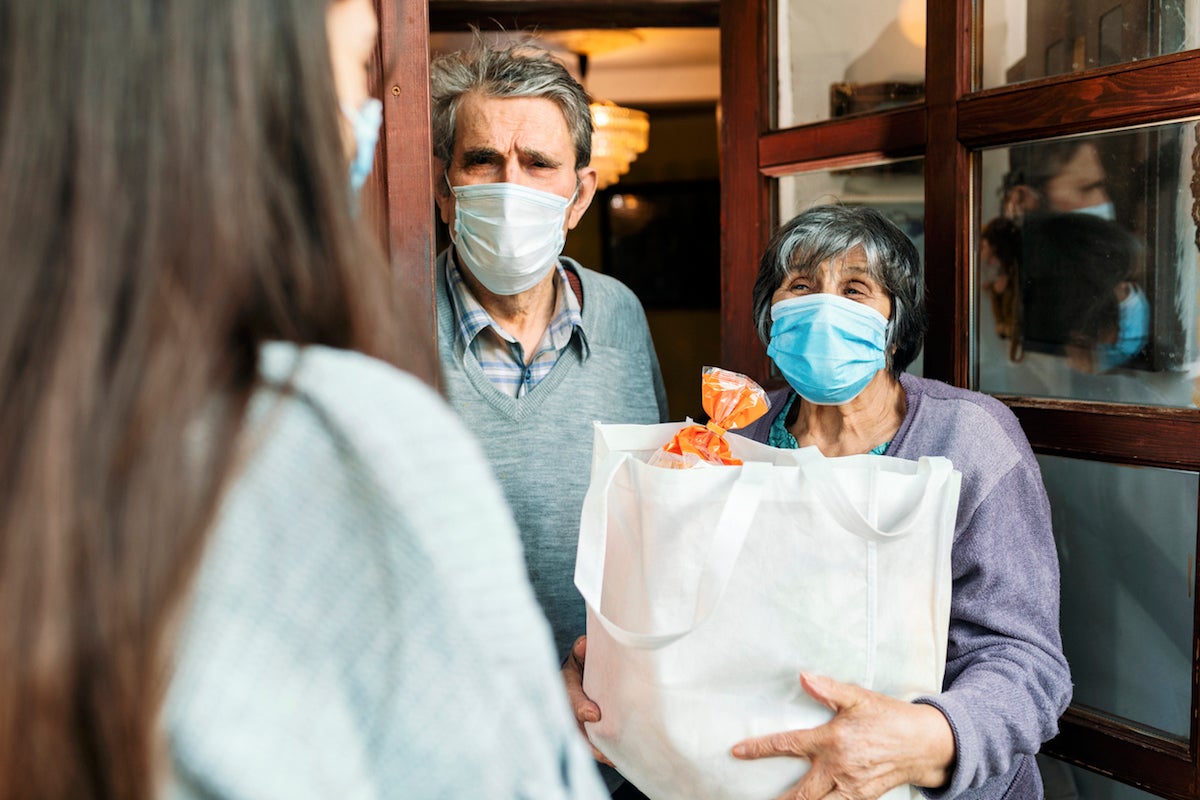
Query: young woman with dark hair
pixel 209 503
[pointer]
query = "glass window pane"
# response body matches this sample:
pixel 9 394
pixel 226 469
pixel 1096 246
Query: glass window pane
pixel 896 188
pixel 1027 39
pixel 1127 547
pixel 1065 782
pixel 1086 272
pixel 847 57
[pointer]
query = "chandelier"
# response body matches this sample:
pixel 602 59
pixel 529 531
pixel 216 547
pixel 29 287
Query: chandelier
pixel 620 135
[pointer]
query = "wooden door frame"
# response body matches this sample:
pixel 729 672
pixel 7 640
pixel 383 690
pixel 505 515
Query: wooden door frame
pixel 399 197
pixel 746 66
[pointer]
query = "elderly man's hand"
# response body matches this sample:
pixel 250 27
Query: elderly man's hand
pixel 583 707
pixel 873 743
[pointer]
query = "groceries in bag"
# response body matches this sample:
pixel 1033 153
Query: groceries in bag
pixel 710 590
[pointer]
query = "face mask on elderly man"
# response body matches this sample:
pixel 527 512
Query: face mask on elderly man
pixel 827 347
pixel 508 235
pixel 1106 211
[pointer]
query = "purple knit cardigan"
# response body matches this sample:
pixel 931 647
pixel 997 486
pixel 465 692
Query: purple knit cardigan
pixel 1007 681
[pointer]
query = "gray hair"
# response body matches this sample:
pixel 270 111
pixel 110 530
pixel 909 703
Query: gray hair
pixel 519 70
pixel 828 232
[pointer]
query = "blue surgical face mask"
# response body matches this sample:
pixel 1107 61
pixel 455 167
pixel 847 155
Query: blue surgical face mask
pixel 827 346
pixel 1105 211
pixel 365 122
pixel 1133 330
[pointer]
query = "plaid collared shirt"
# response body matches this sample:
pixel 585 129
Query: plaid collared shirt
pixel 497 351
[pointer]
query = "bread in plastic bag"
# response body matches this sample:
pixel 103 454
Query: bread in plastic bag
pixel 731 400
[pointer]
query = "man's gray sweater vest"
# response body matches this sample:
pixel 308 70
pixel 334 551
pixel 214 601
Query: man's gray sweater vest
pixel 540 445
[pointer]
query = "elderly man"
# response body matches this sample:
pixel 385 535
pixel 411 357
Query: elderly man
pixel 533 346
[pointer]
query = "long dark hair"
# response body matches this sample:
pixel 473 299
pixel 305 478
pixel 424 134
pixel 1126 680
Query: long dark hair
pixel 173 192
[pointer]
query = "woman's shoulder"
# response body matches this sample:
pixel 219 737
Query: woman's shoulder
pixel 364 430
pixel 351 461
pixel 968 427
pixel 953 402
pixel 336 378
pixel 347 581
pixel 368 406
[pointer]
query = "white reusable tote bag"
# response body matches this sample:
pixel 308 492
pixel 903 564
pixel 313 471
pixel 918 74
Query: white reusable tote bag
pixel 710 589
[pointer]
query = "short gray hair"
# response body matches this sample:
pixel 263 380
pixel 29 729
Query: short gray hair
pixel 519 70
pixel 827 232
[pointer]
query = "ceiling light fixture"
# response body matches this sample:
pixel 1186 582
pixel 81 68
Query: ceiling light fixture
pixel 619 134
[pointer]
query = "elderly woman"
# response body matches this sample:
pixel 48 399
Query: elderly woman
pixel 840 301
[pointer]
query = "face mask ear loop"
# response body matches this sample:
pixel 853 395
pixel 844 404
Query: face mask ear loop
pixel 574 197
pixel 451 226
pixel 889 335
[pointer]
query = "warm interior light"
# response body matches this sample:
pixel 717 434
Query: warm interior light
pixel 620 136
pixel 911 17
pixel 595 41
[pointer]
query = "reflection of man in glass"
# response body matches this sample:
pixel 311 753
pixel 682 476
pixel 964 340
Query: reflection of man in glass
pixel 1078 288
pixel 1058 176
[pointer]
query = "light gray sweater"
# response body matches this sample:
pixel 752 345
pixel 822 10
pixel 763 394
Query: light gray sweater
pixel 540 445
pixel 361 625
pixel 1007 681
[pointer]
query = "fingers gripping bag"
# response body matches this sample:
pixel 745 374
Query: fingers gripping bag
pixel 710 589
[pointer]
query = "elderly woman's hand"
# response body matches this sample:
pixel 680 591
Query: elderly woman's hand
pixel 584 708
pixel 873 743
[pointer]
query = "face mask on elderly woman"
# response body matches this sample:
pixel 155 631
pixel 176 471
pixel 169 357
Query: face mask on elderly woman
pixel 827 347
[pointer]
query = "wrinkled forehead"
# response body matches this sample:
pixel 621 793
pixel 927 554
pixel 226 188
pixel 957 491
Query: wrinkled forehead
pixel 485 119
pixel 853 259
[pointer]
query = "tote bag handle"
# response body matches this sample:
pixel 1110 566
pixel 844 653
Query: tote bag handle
pixel 732 528
pixel 934 470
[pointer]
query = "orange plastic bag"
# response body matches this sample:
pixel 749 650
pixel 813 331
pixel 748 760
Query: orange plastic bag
pixel 731 400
